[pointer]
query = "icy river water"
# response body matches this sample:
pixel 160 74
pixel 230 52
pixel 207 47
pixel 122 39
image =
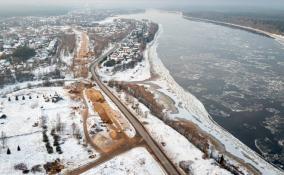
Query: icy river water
pixel 237 75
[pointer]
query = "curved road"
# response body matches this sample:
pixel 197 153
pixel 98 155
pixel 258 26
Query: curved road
pixel 168 166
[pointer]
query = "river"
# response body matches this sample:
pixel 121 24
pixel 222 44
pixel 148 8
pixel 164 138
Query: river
pixel 237 75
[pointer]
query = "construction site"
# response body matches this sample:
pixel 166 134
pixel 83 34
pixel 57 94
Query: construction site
pixel 81 59
pixel 116 129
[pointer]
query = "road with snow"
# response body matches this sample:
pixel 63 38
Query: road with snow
pixel 168 166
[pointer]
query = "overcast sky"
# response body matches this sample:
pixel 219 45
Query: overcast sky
pixel 148 3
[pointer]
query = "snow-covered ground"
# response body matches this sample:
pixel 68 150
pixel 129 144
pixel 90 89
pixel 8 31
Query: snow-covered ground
pixel 176 146
pixel 27 84
pixel 279 38
pixel 139 73
pixel 137 161
pixel 24 127
pixel 40 71
pixel 67 58
pixel 106 20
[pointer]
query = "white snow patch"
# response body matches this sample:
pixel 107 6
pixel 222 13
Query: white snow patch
pixel 176 146
pixel 40 71
pixel 137 161
pixel 67 59
pixel 139 73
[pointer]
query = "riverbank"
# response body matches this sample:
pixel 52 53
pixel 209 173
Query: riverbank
pixel 191 109
pixel 279 38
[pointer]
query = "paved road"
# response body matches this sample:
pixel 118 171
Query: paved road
pixel 104 158
pixel 168 166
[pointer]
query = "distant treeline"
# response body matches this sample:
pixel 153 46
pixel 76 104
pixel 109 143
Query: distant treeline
pixel 32 10
pixel 273 23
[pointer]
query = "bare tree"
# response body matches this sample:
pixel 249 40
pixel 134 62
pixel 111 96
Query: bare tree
pixel 76 132
pixel 78 135
pixel 73 126
pixel 146 113
pixel 72 115
pixel 139 111
pixel 136 108
pixel 3 139
pixel 43 120
pixel 59 124
pixel 127 98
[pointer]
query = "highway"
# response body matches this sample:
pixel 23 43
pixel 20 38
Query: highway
pixel 165 162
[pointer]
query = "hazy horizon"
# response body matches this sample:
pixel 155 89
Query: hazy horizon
pixel 145 3
pixel 16 7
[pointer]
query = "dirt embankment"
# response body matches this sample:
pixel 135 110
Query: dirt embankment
pixel 209 145
pixel 100 105
pixel 115 136
pixel 144 96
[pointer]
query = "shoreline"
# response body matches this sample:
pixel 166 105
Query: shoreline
pixel 200 116
pixel 277 37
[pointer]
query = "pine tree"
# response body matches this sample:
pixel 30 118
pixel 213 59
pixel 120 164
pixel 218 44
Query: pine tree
pixel 8 151
pixel 19 149
pixel 9 99
pixel 30 97
pixel 17 98
pixel 23 98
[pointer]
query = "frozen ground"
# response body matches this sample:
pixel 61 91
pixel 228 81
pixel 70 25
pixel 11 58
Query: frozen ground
pixel 24 127
pixel 137 161
pixel 25 85
pixel 67 58
pixel 279 38
pixel 176 146
pixel 40 71
pixel 139 73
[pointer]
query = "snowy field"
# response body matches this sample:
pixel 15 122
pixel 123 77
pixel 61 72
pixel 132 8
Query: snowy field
pixel 37 111
pixel 25 85
pixel 137 161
